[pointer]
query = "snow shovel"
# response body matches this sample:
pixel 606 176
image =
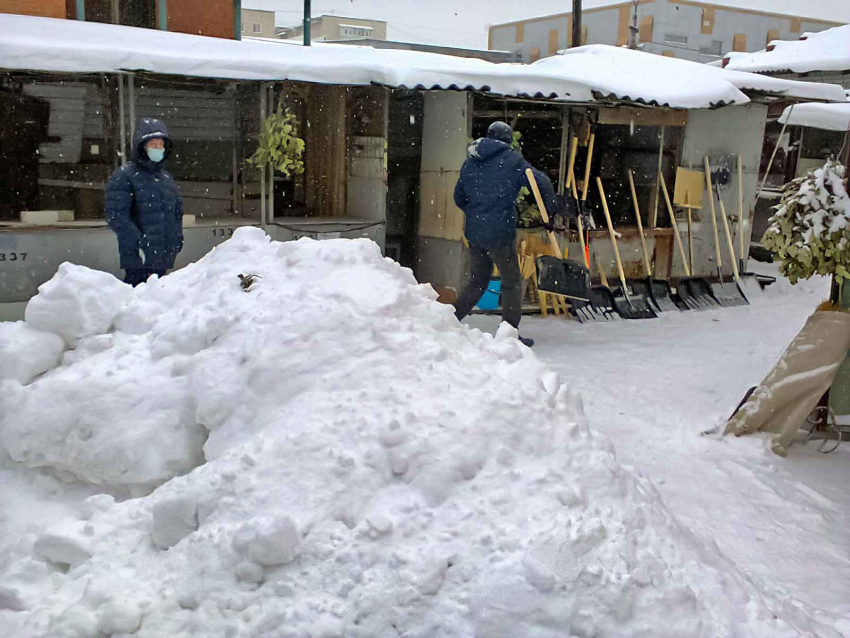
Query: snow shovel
pixel 726 295
pixel 600 306
pixel 558 276
pixel 694 292
pixel 743 298
pixel 630 306
pixel 656 290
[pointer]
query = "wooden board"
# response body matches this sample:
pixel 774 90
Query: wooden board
pixel 642 117
pixel 690 186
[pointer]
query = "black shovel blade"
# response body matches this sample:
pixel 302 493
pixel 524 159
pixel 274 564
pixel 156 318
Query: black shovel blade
pixel 658 291
pixel 696 293
pixel 632 306
pixel 563 277
pixel 599 307
pixel 728 294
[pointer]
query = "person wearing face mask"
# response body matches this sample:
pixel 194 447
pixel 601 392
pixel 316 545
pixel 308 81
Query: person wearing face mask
pixel 144 208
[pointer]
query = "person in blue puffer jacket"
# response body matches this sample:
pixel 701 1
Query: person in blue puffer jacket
pixel 490 181
pixel 144 208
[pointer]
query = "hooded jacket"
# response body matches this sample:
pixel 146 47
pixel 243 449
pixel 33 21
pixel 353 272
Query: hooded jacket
pixel 143 205
pixel 490 181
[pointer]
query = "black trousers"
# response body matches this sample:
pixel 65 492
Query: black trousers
pixel 136 276
pixel 480 269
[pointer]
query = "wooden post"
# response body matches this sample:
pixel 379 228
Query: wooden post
pixel 562 165
pixel 653 223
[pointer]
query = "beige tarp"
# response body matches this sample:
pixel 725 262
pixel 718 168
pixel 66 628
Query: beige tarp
pixel 783 400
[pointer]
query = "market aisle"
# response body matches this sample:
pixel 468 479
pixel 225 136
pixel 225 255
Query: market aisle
pixel 654 386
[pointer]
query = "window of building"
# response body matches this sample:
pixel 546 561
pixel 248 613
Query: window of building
pixel 258 28
pixel 355 32
pixel 670 38
pixel 716 48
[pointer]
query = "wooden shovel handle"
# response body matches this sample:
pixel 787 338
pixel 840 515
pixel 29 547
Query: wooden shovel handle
pixel 586 184
pixel 740 209
pixel 713 214
pixel 537 197
pixel 572 163
pixel 611 232
pixel 646 265
pixel 677 239
pixel 729 242
pixel 581 242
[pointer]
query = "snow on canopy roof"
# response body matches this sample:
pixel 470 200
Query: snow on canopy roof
pixel 74 46
pixel 636 76
pixel 822 51
pixel 830 117
pixel 46 44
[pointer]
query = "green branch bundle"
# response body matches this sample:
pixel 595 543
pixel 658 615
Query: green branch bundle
pixel 280 145
pixel 810 232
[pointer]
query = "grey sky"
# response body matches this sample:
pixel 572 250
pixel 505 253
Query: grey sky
pixel 464 22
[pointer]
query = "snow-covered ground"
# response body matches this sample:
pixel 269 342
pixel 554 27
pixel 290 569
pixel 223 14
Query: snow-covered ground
pixel 331 455
pixel 655 386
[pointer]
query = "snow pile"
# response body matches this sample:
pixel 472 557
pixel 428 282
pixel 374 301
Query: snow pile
pixel 372 469
pixel 810 231
pixel 27 352
pixel 827 50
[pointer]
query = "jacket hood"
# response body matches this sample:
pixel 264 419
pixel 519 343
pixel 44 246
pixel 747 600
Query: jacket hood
pixel 485 148
pixel 147 128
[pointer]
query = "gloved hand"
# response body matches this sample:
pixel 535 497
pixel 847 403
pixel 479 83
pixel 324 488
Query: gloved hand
pixel 142 244
pixel 549 226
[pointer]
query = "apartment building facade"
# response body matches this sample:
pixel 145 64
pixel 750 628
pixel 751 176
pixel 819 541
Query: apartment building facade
pixel 686 29
pixel 257 23
pixel 334 28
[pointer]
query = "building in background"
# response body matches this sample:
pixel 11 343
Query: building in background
pixel 481 54
pixel 216 18
pixel 697 31
pixel 257 23
pixel 335 28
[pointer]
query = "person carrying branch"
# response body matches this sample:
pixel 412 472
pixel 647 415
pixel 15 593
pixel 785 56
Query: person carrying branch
pixel 490 181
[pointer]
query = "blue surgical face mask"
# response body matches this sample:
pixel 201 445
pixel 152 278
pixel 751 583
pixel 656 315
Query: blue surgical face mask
pixel 156 154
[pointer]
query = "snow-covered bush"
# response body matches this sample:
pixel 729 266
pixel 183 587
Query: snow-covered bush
pixel 809 231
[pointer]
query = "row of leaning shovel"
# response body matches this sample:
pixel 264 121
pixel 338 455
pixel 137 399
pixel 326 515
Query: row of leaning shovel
pixel 641 298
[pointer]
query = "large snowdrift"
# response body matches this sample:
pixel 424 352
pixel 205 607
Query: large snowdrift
pixel 330 454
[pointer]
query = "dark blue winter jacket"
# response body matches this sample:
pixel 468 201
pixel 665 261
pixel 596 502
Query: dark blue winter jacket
pixel 143 205
pixel 490 180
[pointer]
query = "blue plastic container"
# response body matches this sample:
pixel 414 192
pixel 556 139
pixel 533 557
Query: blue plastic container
pixel 490 299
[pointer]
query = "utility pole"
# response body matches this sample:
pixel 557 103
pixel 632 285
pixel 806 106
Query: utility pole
pixel 307 13
pixel 633 30
pixel 576 42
